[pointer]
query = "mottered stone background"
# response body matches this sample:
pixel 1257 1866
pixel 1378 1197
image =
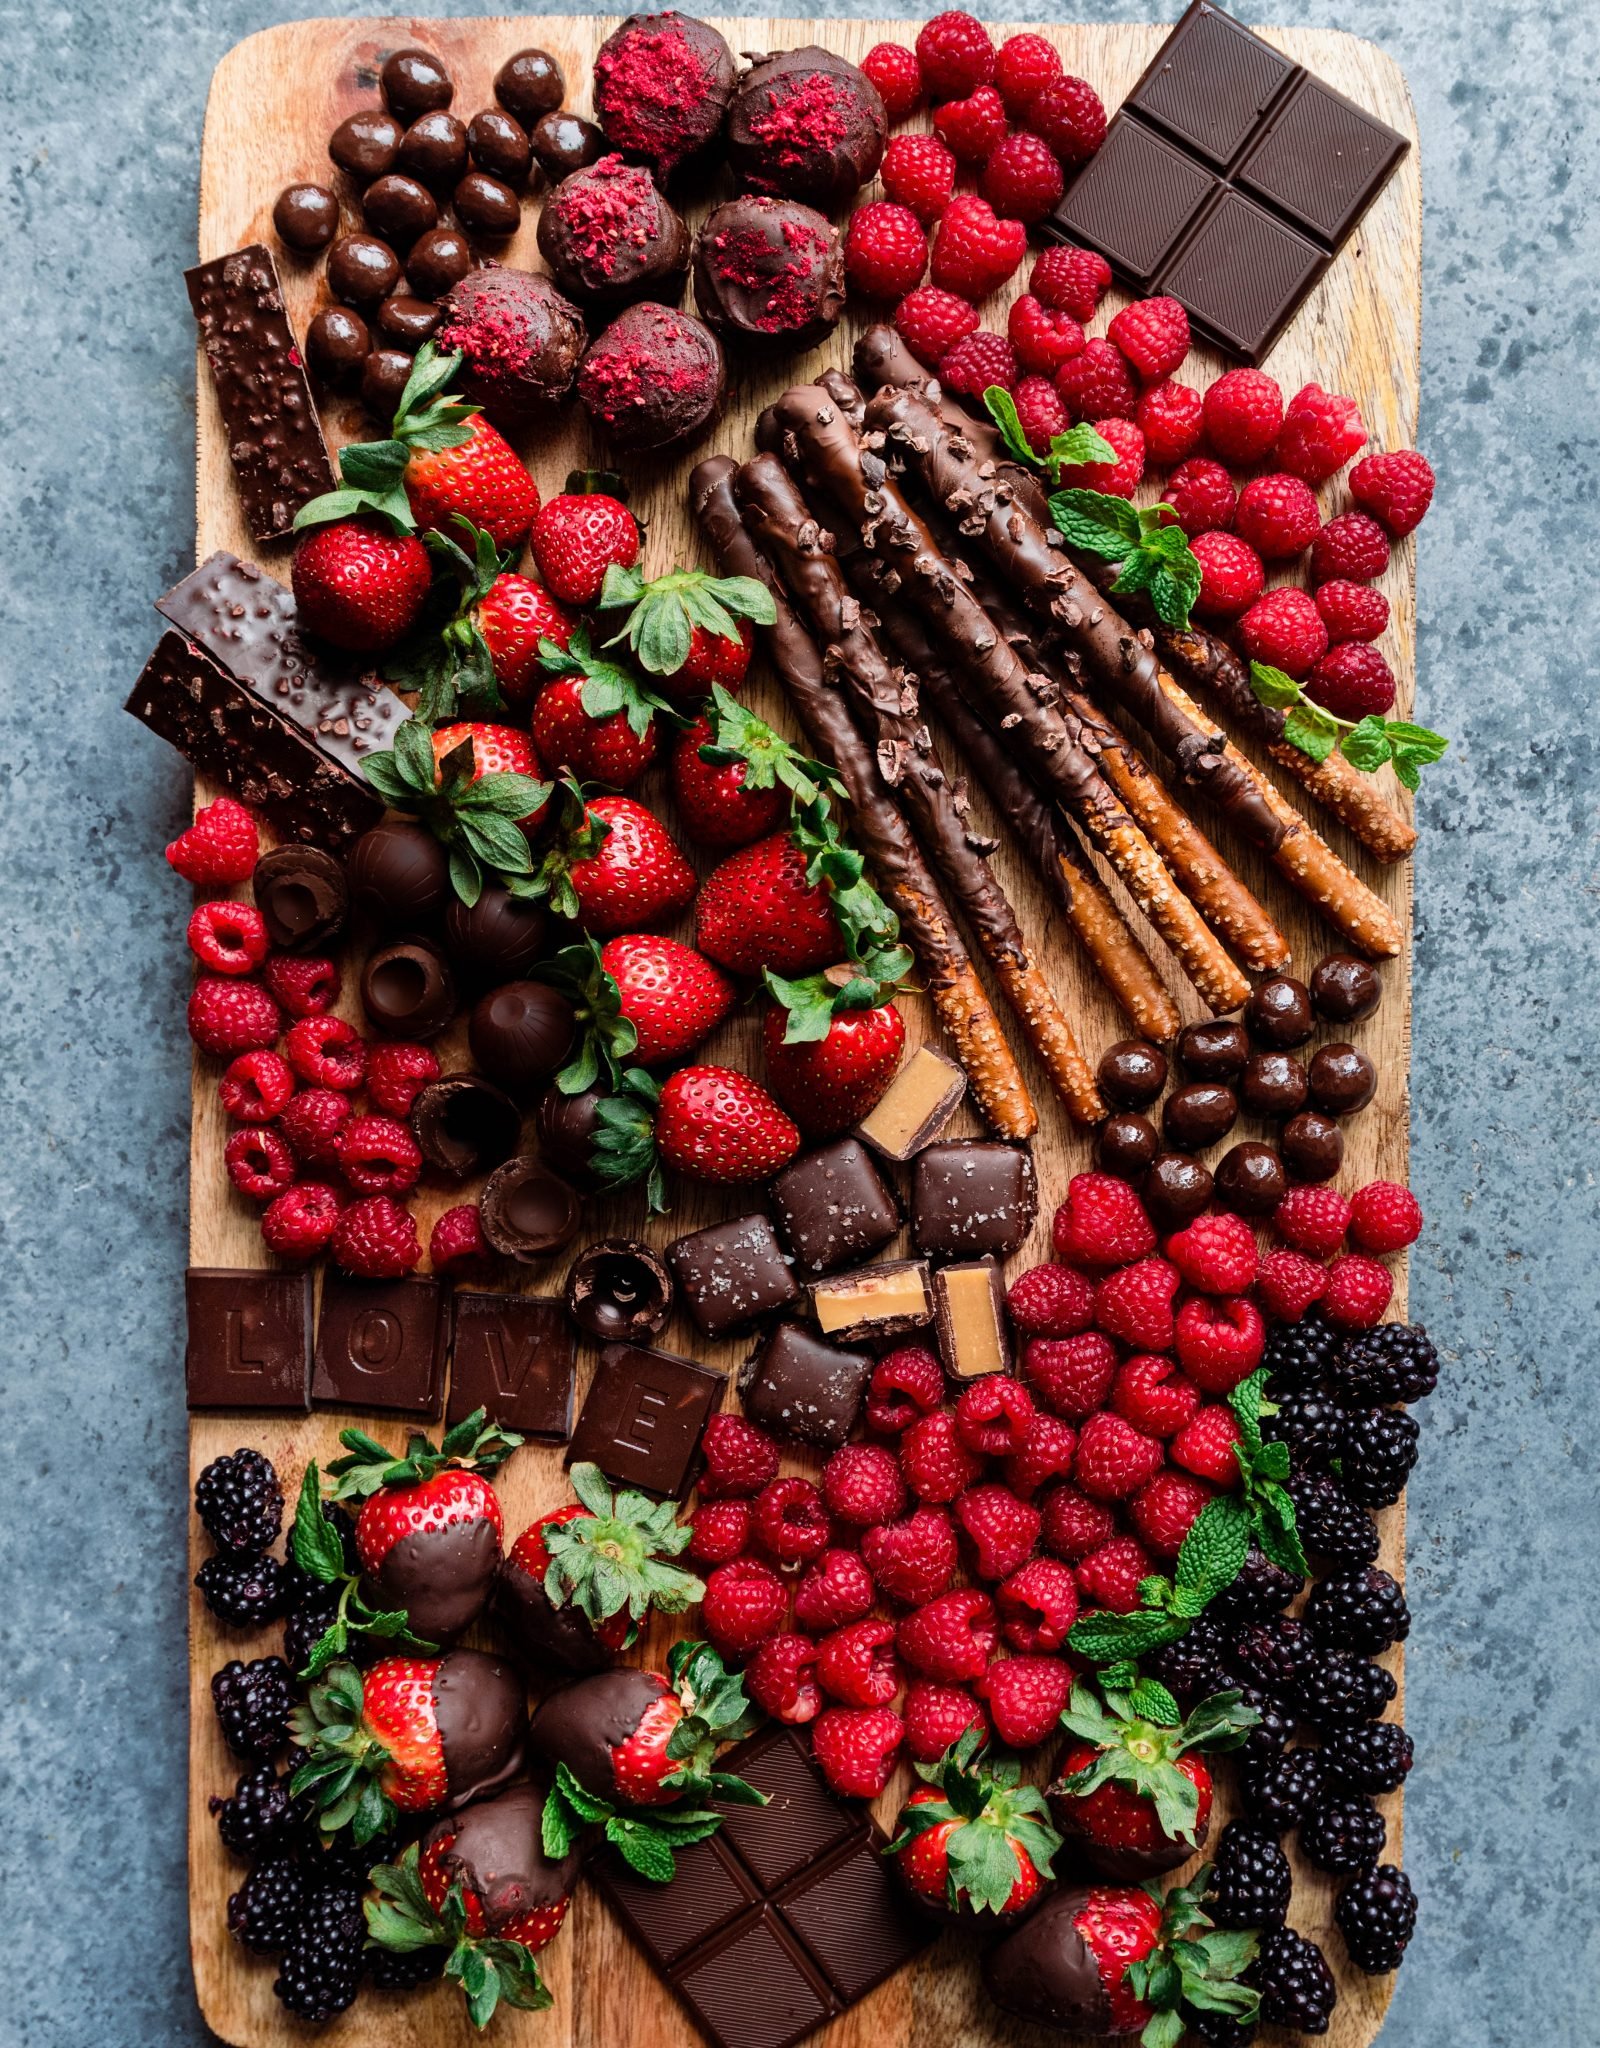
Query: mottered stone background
pixel 101 138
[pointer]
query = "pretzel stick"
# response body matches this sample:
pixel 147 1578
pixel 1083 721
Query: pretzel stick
pixel 958 996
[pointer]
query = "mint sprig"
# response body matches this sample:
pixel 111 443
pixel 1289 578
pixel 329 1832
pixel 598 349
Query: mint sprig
pixel 489 1968
pixel 1078 445
pixel 317 1548
pixel 477 820
pixel 1366 743
pixel 1151 548
pixel 662 614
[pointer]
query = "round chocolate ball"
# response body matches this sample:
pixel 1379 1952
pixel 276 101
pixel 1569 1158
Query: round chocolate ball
pixel 496 939
pixel 563 143
pixel 1126 1145
pixel 302 895
pixel 1213 1051
pixel 530 84
pixel 1279 1014
pixel 1250 1180
pixel 610 237
pixel 439 259
pixel 520 1034
pixel 662 84
pixel 1198 1115
pixel 407 990
pixel 1345 989
pixel 806 124
pixel 404 322
pixel 1312 1146
pixel 654 382
pixel 1273 1084
pixel 362 270
pixel 366 145
pixel 487 206
pixel 528 1213
pixel 384 377
pixel 567 1125
pixel 769 271
pixel 1175 1190
pixel 399 877
pixel 399 208
pixel 521 341
pixel 415 82
pixel 619 1291
pixel 338 342
pixel 434 150
pixel 1342 1079
pixel 306 217
pixel 499 145
pixel 465 1126
pixel 1132 1073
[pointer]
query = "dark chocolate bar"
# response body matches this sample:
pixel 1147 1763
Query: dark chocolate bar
pixel 834 1207
pixel 513 1355
pixel 280 460
pixel 642 1420
pixel 381 1344
pixel 249 1338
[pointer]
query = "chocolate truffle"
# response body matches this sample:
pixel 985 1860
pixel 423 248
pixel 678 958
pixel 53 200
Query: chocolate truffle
pixel 1250 1180
pixel 465 1125
pixel 1213 1051
pixel 1132 1073
pixel 1176 1189
pixel 1345 989
pixel 366 145
pixel 399 877
pixel 1197 1116
pixel 1273 1084
pixel 619 1291
pixel 404 322
pixel 362 270
pixel 1342 1079
pixel 520 1034
pixel 527 1212
pixel 1312 1146
pixel 496 939
pixel 732 1274
pixel 414 82
pixel 769 270
pixel 398 207
pixel 306 217
pixel 609 237
pixel 654 381
pixel 487 207
pixel 338 342
pixel 434 150
pixel 520 339
pixel 407 991
pixel 1279 1014
pixel 805 124
pixel 662 84
pixel 440 258
pixel 530 84
pixel 302 895
pixel 563 143
pixel 499 145
pixel 384 377
pixel 1126 1145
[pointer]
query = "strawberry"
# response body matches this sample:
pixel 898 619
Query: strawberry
pixel 828 1084
pixel 951 1637
pixel 1102 1222
pixel 912 1560
pixel 744 1604
pixel 577 537
pixel 1038 1605
pixel 358 585
pixel 938 1716
pixel 759 910
pixel 972 1838
pixel 615 866
pixel 855 1748
pixel 1025 1696
pixel 668 993
pixel 719 806
pixel 493 750
pixel 693 630
pixel 1001 1530
pixel 715 1124
pixel 476 787
pixel 856 1664
pixel 594 718
pixel 490 650
pixel 781 1679
pixel 837 1589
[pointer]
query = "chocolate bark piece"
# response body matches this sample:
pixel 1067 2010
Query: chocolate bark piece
pixel 887 1300
pixel 528 1213
pixel 806 124
pixel 465 1125
pixel 654 381
pixel 834 1207
pixel 972 1196
pixel 916 1105
pixel 513 1355
pixel 642 1420
pixel 619 1291
pixel 769 270
pixel 732 1274
pixel 801 1387
pixel 969 1299
pixel 407 990
pixel 302 895
pixel 249 1339
pixel 381 1344
pixel 609 237
pixel 280 460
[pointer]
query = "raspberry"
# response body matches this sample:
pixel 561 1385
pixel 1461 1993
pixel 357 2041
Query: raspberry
pixel 300 1223
pixel 743 1605
pixel 1216 1254
pixel 739 1458
pixel 1070 115
pixel 1396 489
pixel 1119 479
pixel 259 1163
pixel 905 1384
pixel 856 1664
pixel 862 1485
pixel 779 1678
pixel 1153 334
pixel 1026 1697
pixel 1244 415
pixel 894 70
pixel 256 1087
pixel 1351 611
pixel 972 128
pixel 977 361
pixel 937 1464
pixel 229 938
pixel 1039 411
pixel 1312 1220
pixel 1164 1509
pixel 1153 1395
pixel 837 1588
pixel 228 1016
pixel 1205 1446
pixel 1231 575
pixel 938 1716
pixel 919 172
pixel 376 1239
pixel 993 1414
pixel 1001 1529
pixel 1024 65
pixel 930 322
pixel 1070 280
pixel 1288 1284
pixel 1102 1222
pixel 1385 1217
pixel 1071 1375
pixel 974 251
pixel 955 54
pixel 1352 681
pixel 1022 180
pixel 912 1560
pixel 790 1522
pixel 457 1246
pixel 1038 1605
pixel 312 1123
pixel 720 1530
pixel 1169 415
pixel 1202 496
pixel 885 250
pixel 327 1052
pixel 219 848
pixel 1359 1290
pixel 1135 1305
pixel 1219 1342
pixel 1284 630
pixel 1098 384
pixel 1046 1452
pixel 1321 431
pixel 855 1748
pixel 1043 337
pixel 1111 1576
pixel 950 1638
pixel 1114 1459
pixel 397 1073
pixel 1278 516
pixel 305 984
pixel 1352 546
pixel 1072 1526
pixel 379 1156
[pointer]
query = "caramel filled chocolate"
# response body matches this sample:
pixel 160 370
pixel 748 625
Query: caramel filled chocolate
pixel 969 1305
pixel 916 1105
pixel 888 1300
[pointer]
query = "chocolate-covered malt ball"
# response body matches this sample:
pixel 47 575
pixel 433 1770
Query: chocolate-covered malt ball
pixel 1342 1079
pixel 487 207
pixel 1126 1145
pixel 306 217
pixel 384 377
pixel 1132 1073
pixel 438 261
pixel 530 84
pixel 366 145
pixel 362 270
pixel 498 144
pixel 1175 1190
pixel 414 82
pixel 399 208
pixel 1198 1115
pixel 434 151
pixel 338 342
pixel 1250 1180
pixel 1279 1014
pixel 1345 989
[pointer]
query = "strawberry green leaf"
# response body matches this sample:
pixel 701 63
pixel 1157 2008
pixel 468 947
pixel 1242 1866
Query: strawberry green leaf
pixel 662 615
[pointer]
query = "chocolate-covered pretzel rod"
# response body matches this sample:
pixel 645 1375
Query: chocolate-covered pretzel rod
pixel 958 996
pixel 885 698
pixel 818 443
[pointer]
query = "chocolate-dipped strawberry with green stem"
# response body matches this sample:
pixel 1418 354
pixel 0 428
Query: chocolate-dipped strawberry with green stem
pixel 972 1838
pixel 477 788
pixel 691 629
pixel 635 1753
pixel 317 1545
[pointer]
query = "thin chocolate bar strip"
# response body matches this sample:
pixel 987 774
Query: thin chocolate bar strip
pixel 280 460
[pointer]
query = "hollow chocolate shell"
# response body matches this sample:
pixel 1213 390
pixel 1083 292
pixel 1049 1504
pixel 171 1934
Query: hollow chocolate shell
pixel 769 270
pixel 520 1035
pixel 566 1125
pixel 407 990
pixel 465 1126
pixel 399 876
pixel 527 1212
pixel 302 895
pixel 619 1291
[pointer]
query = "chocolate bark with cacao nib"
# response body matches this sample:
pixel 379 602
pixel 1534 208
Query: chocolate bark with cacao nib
pixel 482 1716
pixel 441 1578
pixel 957 994
pixel 495 1850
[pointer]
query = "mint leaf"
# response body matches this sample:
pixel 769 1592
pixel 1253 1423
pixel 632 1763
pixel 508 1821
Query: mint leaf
pixel 1096 522
pixel 1311 730
pixel 1274 689
pixel 1174 588
pixel 1002 409
pixel 1366 746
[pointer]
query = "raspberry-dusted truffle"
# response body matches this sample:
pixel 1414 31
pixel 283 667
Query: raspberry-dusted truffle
pixel 520 338
pixel 769 269
pixel 806 124
pixel 654 381
pixel 609 237
pixel 662 83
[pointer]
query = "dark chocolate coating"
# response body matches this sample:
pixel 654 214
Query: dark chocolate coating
pixel 527 1212
pixel 1312 1146
pixel 1342 1079
pixel 482 1717
pixel 362 270
pixel 495 1852
pixel 404 322
pixel 1176 1189
pixel 1213 1051
pixel 662 84
pixel 465 1126
pixel 1345 989
pixel 520 1033
pixel 434 150
pixel 654 380
pixel 1198 1115
pixel 1250 1180
pixel 366 144
pixel 806 124
pixel 833 1206
pixel 399 208
pixel 972 1198
pixel 399 877
pixel 1279 1014
pixel 487 206
pixel 302 895
pixel 540 1632
pixel 441 1578
pixel 496 939
pixel 498 144
pixel 384 377
pixel 1126 1145
pixel 338 342
pixel 610 237
pixel 769 270
pixel 529 84
pixel 438 259
pixel 1047 1973
pixel 619 1291
pixel 581 1725
pixel 306 217
pixel 563 143
pixel 566 1125
pixel 520 337
pixel 1132 1073
pixel 1273 1084
pixel 415 82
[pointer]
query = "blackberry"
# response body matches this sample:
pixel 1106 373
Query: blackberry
pixel 1311 1424
pixel 1261 1589
pixel 1377 1915
pixel 260 1814
pixel 1270 1735
pixel 1372 1758
pixel 344 1862
pixel 242 1589
pixel 1191 1668
pixel 1329 1521
pixel 394 1969
pixel 1281 1793
pixel 1299 1354
pixel 1342 1691
pixel 253 1702
pixel 307 1624
pixel 1250 1879
pixel 240 1502
pixel 1378 1450
pixel 1364 1611
pixel 1271 1653
pixel 1395 1362
pixel 264 1912
pixel 1296 1985
pixel 321 1970
pixel 1343 1835
pixel 1219 2029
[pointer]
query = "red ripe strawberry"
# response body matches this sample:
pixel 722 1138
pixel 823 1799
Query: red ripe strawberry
pixel 717 806
pixel 1217 1254
pixel 856 1664
pixel 863 1486
pixel 1001 1530
pixel 359 585
pixel 1102 1222
pixel 837 1589
pixel 1219 1342
pixel 1288 1284
pixel 1112 1575
pixel 220 847
pixel 1205 1446
pixel 937 1716
pixel 790 1522
pixel 671 996
pixel 618 869
pixel 937 1464
pixel 781 1679
pixel 912 1560
pixel 1164 1510
pixel 855 1748
pixel 690 631
pixel 577 537
pixel 1038 1605
pixel 1135 1305
pixel 1025 1696
pixel 605 750
pixel 1073 1526
pixel 1071 1375
pixel 744 1604
pixel 974 1840
pixel 1114 1459
pixel 738 1457
pixel 828 1084
pixel 718 1125
pixel 951 1637
pixel 1153 334
pixel 495 750
pixel 905 1385
pixel 480 479
pixel 1153 1395
pixel 757 912
pixel 1051 1301
pixel 721 1530
pixel 1046 1452
pixel 993 1414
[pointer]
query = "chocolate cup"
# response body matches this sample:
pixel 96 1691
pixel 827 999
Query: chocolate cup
pixel 407 990
pixel 619 1291
pixel 302 895
pixel 527 1212
pixel 465 1126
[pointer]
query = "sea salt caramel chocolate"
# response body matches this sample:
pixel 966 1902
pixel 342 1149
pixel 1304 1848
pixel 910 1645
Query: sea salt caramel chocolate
pixel 916 1105
pixel 888 1300
pixel 801 1387
pixel 970 1318
pixel 973 1196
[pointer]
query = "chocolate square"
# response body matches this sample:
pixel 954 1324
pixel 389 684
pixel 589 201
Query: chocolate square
pixel 249 1342
pixel 1211 82
pixel 973 1198
pixel 889 1299
pixel 834 1207
pixel 642 1421
pixel 667 1920
pixel 732 1274
pixel 803 1820
pixel 1322 160
pixel 916 1105
pixel 1242 274
pixel 513 1355
pixel 381 1344
pixel 800 1387
pixel 754 1986
pixel 1133 200
pixel 855 1919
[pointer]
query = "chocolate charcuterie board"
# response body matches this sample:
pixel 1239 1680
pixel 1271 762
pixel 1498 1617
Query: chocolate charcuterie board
pixel 1280 904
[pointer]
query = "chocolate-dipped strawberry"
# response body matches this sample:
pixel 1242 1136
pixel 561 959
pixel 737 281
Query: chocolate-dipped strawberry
pixel 1134 1795
pixel 654 381
pixel 806 124
pixel 610 237
pixel 769 270
pixel 602 1138
pixel 578 1582
pixel 479 1884
pixel 972 1839
pixel 662 83
pixel 520 341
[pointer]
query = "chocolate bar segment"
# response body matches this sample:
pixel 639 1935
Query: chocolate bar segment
pixel 916 1105
pixel 834 1207
pixel 1321 161
pixel 803 1819
pixel 732 1274
pixel 887 1300
pixel 799 1386
pixel 855 1918
pixel 754 1986
pixel 1242 273
pixel 642 1420
pixel 280 460
pixel 513 1356
pixel 970 1318
pixel 668 1920
pixel 381 1344
pixel 1132 201
pixel 249 1338
pixel 1211 83
pixel 973 1197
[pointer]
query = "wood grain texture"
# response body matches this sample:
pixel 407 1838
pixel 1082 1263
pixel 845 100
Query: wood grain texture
pixel 275 99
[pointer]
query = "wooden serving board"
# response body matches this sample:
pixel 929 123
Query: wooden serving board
pixel 275 99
